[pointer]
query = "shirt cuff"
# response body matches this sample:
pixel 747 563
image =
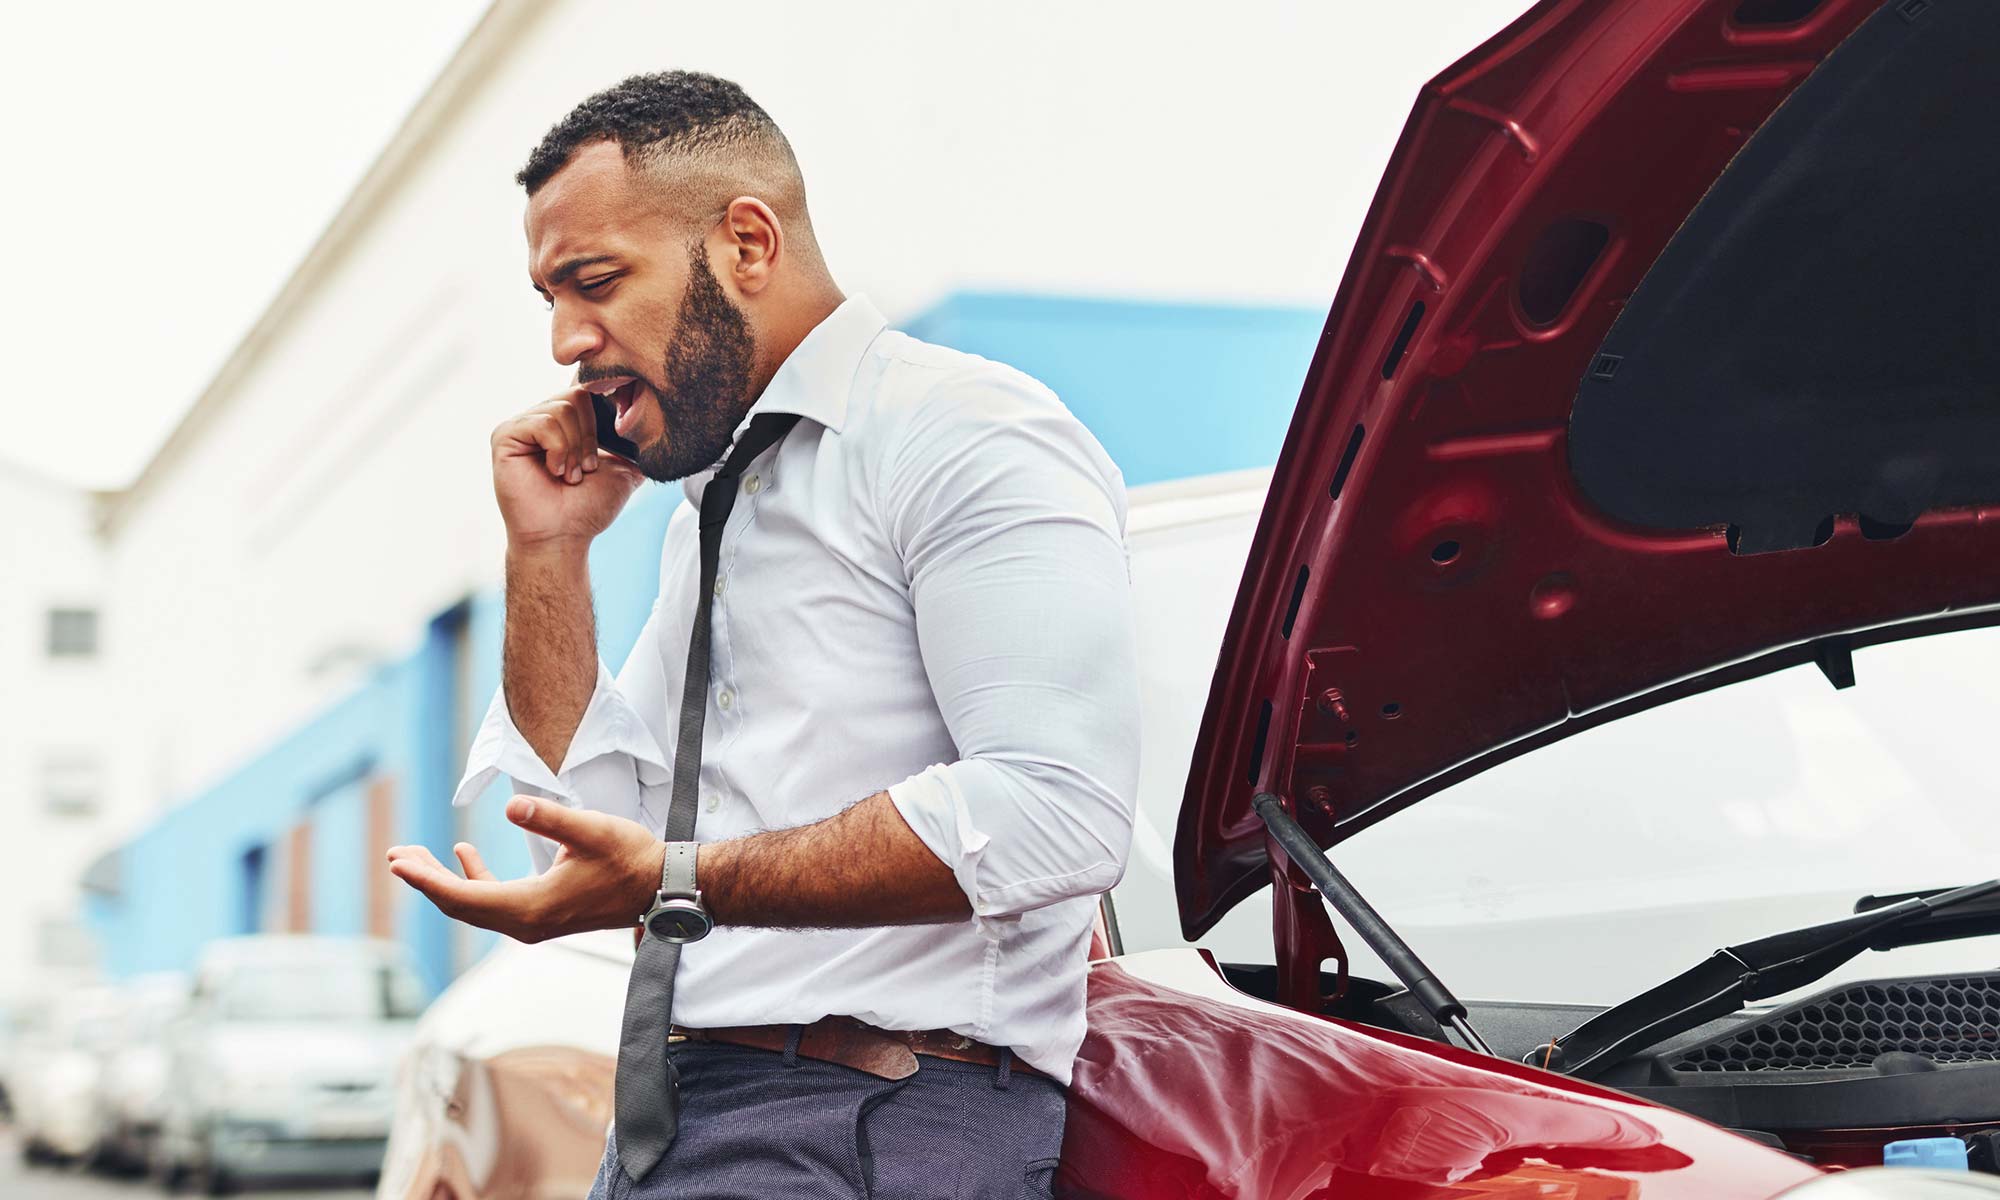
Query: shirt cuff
pixel 936 812
pixel 1013 858
pixel 609 726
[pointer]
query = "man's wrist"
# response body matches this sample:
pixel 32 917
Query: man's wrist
pixel 545 554
pixel 712 870
pixel 677 914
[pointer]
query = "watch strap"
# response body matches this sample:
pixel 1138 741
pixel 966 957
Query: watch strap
pixel 677 872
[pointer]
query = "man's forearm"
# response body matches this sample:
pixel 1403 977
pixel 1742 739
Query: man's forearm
pixel 549 656
pixel 863 866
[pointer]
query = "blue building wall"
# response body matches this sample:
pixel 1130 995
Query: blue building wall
pixel 337 820
pixel 1172 390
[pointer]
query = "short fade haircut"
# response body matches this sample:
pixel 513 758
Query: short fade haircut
pixel 654 116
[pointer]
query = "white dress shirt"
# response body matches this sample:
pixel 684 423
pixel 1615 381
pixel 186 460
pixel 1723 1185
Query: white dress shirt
pixel 922 589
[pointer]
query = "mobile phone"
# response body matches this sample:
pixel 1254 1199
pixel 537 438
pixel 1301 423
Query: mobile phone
pixel 607 435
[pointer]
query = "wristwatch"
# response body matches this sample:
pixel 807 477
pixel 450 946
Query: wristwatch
pixel 677 914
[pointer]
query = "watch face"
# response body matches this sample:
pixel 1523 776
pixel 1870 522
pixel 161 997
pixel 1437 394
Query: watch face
pixel 679 921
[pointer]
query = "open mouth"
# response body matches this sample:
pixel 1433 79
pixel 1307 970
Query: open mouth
pixel 623 392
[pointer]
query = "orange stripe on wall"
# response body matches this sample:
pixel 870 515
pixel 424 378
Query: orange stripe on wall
pixel 298 878
pixel 380 885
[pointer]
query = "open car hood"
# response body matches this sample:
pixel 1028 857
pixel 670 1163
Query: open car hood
pixel 1668 356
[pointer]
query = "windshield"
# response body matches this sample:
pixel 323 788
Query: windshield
pixel 318 991
pixel 1591 869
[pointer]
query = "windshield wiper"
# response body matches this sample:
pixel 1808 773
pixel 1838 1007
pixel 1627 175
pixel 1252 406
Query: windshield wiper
pixel 1423 986
pixel 1969 919
pixel 1738 975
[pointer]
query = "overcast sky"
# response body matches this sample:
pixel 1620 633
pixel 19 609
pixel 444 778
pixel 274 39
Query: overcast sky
pixel 167 166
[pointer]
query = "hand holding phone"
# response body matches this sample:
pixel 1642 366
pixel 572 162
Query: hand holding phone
pixel 607 434
pixel 555 478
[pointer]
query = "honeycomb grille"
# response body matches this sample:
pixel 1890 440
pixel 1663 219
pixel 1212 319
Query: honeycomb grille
pixel 1952 1020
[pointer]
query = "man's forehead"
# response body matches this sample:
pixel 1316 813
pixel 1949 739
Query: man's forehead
pixel 587 207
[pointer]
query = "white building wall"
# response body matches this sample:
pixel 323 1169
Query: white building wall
pixel 333 491
pixel 51 730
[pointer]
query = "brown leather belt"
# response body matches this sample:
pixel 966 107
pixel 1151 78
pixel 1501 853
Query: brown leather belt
pixel 884 1053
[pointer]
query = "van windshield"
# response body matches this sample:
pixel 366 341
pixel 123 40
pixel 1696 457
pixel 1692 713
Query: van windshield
pixel 318 991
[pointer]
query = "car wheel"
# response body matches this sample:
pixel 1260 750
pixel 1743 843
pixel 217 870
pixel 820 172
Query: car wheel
pixel 170 1173
pixel 215 1179
pixel 111 1158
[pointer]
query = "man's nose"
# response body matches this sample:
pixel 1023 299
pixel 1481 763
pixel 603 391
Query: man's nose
pixel 571 338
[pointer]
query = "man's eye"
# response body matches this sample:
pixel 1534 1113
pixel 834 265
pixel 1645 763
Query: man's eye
pixel 591 286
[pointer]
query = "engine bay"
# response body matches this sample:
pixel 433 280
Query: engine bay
pixel 1832 1077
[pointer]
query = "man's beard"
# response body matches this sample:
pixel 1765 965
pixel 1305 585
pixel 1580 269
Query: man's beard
pixel 707 376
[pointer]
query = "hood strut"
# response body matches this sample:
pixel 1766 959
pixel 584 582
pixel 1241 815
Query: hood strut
pixel 1423 986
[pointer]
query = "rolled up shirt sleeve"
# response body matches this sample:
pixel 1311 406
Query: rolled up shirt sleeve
pixel 1010 522
pixel 614 763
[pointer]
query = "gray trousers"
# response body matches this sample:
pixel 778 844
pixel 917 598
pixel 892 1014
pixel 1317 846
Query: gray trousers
pixel 758 1124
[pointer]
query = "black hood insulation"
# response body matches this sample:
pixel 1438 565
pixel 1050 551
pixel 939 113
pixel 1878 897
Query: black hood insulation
pixel 1822 337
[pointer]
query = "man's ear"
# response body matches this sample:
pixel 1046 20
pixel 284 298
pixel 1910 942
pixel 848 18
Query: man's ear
pixel 755 243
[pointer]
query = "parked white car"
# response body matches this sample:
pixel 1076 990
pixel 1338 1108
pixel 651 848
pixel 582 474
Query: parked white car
pixel 20 1021
pixel 53 1088
pixel 506 1091
pixel 131 1094
pixel 283 1064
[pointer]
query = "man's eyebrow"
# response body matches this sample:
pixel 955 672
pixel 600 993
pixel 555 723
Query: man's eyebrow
pixel 567 271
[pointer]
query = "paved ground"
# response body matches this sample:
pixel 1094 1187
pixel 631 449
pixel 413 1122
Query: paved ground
pixel 19 1181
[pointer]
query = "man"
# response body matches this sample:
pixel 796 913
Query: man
pixel 910 755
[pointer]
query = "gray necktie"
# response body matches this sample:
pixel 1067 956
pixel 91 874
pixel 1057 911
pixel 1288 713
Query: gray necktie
pixel 647 1101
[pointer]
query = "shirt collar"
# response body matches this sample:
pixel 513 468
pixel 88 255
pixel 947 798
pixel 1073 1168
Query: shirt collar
pixel 814 379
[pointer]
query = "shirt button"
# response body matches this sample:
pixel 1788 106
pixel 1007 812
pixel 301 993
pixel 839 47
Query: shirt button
pixel 718 585
pixel 725 699
pixel 752 484
pixel 712 803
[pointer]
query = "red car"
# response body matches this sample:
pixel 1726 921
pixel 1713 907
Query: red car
pixel 1664 361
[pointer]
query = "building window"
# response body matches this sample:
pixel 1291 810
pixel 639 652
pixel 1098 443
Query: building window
pixel 253 898
pixel 72 632
pixel 71 784
pixel 64 943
